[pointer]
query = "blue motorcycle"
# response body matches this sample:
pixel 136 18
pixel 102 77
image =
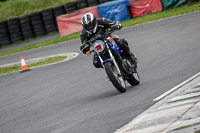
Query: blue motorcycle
pixel 117 65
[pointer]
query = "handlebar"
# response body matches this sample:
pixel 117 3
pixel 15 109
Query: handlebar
pixel 96 37
pixel 100 36
pixel 108 33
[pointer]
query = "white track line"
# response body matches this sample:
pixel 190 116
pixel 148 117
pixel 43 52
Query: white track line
pixel 176 87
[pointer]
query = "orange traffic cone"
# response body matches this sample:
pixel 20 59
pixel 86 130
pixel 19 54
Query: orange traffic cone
pixel 23 64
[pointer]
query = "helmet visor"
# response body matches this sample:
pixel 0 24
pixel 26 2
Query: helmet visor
pixel 90 27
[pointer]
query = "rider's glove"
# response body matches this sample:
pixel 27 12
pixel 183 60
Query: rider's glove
pixel 117 26
pixel 84 48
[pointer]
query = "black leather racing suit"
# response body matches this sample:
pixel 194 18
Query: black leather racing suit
pixel 103 24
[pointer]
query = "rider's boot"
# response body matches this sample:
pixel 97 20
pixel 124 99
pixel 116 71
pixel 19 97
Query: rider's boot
pixel 123 44
pixel 132 58
pixel 96 63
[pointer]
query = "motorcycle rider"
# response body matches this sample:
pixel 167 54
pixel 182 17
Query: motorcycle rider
pixel 91 26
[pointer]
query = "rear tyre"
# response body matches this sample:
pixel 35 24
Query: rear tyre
pixel 114 77
pixel 134 78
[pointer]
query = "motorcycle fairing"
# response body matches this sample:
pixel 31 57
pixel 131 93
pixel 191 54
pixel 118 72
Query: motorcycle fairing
pixel 114 47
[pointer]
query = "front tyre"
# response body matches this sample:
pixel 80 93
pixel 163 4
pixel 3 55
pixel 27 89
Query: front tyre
pixel 115 77
pixel 134 78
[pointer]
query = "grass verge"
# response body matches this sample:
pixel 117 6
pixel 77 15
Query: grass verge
pixel 12 8
pixel 14 68
pixel 133 21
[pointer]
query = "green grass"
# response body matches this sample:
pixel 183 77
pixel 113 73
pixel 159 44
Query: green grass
pixel 133 21
pixel 48 61
pixel 14 68
pixel 12 8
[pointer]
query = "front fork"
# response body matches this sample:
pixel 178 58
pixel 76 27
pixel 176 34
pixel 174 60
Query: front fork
pixel 114 61
pixel 112 58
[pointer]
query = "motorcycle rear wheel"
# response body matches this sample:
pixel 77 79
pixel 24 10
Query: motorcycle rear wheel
pixel 114 77
pixel 134 78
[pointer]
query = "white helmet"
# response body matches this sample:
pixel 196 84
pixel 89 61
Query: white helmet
pixel 89 22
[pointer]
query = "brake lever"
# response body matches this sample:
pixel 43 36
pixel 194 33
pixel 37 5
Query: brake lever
pixel 84 48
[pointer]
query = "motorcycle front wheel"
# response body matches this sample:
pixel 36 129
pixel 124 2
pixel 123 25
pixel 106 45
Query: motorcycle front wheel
pixel 116 79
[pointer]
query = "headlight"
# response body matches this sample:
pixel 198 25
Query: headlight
pixel 99 46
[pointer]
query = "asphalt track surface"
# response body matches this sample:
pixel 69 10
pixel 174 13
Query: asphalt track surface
pixel 74 97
